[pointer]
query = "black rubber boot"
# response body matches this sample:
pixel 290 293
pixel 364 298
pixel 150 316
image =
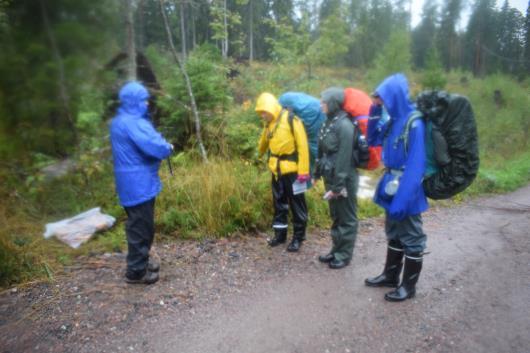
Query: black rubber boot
pixel 294 245
pixel 298 238
pixel 392 270
pixel 326 258
pixel 280 236
pixel 338 264
pixel 411 273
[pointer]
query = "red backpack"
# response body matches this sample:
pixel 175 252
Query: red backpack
pixel 357 104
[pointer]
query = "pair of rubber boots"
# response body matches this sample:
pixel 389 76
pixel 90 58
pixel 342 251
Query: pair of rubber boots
pixel 280 237
pixel 392 270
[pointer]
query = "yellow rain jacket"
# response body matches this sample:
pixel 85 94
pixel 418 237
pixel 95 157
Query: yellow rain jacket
pixel 278 138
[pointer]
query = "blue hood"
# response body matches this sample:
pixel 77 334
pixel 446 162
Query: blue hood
pixel 394 91
pixel 133 97
pixel 411 159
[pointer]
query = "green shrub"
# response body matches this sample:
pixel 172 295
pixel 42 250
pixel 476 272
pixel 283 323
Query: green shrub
pixel 434 75
pixel 207 73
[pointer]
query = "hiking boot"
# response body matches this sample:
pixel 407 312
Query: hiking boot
pixel 153 266
pixel 148 278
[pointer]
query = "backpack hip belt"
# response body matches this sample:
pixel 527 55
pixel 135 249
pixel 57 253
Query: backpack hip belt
pixel 395 172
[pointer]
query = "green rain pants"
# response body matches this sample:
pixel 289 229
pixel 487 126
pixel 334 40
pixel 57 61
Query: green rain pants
pixel 343 211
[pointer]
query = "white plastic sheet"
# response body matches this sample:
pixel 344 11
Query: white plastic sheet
pixel 79 229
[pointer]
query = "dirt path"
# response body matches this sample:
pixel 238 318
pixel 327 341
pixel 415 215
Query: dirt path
pixel 240 296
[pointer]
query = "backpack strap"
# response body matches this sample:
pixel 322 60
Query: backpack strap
pixel 291 156
pixel 415 115
pixel 290 119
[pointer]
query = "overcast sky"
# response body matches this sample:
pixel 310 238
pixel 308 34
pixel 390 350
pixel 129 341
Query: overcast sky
pixel 417 6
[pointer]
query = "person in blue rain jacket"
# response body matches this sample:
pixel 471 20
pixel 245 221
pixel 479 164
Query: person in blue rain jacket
pixel 400 191
pixel 137 150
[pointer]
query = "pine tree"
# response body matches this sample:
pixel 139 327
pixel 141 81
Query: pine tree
pixel 433 77
pixel 526 56
pixel 510 31
pixel 48 55
pixel 447 38
pixel 481 38
pixel 423 35
pixel 394 57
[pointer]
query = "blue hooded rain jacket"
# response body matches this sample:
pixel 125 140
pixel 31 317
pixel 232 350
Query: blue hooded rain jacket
pixel 137 148
pixel 410 198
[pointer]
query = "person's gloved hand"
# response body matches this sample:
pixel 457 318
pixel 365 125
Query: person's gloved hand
pixel 397 211
pixel 303 178
pixel 376 110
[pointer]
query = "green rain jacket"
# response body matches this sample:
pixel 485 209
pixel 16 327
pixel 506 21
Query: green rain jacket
pixel 335 145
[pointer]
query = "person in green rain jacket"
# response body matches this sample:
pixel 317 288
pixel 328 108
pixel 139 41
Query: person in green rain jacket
pixel 335 165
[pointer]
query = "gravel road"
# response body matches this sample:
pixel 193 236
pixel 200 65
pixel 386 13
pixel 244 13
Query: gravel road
pixel 239 296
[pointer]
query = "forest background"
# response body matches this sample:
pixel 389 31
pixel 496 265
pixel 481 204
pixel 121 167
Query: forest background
pixel 62 62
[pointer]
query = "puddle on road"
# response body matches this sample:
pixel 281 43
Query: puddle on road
pixel 367 186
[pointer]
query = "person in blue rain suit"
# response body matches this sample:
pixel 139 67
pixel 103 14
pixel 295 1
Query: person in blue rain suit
pixel 400 190
pixel 137 149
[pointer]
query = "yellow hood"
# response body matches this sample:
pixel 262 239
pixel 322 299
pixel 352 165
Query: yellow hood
pixel 268 103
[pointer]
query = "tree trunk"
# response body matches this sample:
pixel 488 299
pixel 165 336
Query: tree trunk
pixel 188 84
pixel 63 91
pixel 224 43
pixel 251 31
pixel 193 28
pixel 141 26
pixel 131 45
pixel 183 31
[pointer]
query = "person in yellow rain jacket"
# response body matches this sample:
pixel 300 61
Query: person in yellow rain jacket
pixel 285 139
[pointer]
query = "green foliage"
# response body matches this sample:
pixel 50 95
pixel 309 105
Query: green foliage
pixel 34 73
pixel 288 46
pixel 434 75
pixel 502 177
pixel 241 133
pixel 394 57
pixel 16 265
pixel 331 45
pixel 503 126
pixel 207 73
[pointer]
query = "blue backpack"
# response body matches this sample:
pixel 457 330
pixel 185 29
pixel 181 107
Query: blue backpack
pixel 307 108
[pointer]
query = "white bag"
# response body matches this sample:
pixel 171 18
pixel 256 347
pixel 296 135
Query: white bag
pixel 79 229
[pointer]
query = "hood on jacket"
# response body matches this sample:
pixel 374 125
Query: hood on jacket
pixel 334 98
pixel 268 103
pixel 394 91
pixel 133 96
